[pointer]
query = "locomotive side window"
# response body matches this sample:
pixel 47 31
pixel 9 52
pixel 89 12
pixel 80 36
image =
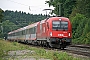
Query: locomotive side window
pixel 60 25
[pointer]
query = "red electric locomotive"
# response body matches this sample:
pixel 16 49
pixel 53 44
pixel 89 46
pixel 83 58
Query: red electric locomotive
pixel 55 32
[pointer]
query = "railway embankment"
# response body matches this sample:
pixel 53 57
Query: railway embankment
pixel 17 51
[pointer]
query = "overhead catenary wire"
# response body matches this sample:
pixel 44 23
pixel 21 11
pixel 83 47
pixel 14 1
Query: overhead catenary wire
pixel 28 7
pixel 26 4
pixel 20 3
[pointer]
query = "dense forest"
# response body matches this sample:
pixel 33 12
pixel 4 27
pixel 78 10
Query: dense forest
pixel 13 20
pixel 78 11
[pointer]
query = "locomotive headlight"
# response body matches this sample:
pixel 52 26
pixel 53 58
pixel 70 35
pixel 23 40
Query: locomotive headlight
pixel 50 33
pixel 69 34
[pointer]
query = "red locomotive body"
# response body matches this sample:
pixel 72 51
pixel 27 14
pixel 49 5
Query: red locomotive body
pixel 56 31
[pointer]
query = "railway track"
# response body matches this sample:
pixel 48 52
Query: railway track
pixel 79 50
pixel 81 46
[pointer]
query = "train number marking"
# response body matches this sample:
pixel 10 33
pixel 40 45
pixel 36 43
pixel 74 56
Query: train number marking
pixel 60 35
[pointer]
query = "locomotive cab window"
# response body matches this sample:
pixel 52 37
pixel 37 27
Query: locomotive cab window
pixel 60 25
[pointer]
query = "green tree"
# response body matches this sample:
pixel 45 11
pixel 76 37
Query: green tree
pixel 86 28
pixel 87 39
pixel 21 18
pixel 63 6
pixel 1 15
pixel 78 22
pixel 68 6
pixel 7 27
pixel 82 7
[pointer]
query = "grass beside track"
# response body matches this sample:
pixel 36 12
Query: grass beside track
pixel 6 46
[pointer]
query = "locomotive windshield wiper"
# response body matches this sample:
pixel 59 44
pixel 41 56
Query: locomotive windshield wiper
pixel 57 28
pixel 64 28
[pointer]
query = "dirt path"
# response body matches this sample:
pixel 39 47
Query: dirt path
pixel 23 55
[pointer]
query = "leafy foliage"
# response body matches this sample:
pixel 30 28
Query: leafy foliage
pixel 8 26
pixel 81 29
pixel 65 6
pixel 78 23
pixel 1 15
pixel 83 7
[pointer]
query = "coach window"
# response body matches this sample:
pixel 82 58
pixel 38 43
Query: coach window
pixel 35 29
pixel 41 27
pixel 23 32
pixel 20 32
pixel 17 33
pixel 12 34
pixel 27 31
pixel 30 30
